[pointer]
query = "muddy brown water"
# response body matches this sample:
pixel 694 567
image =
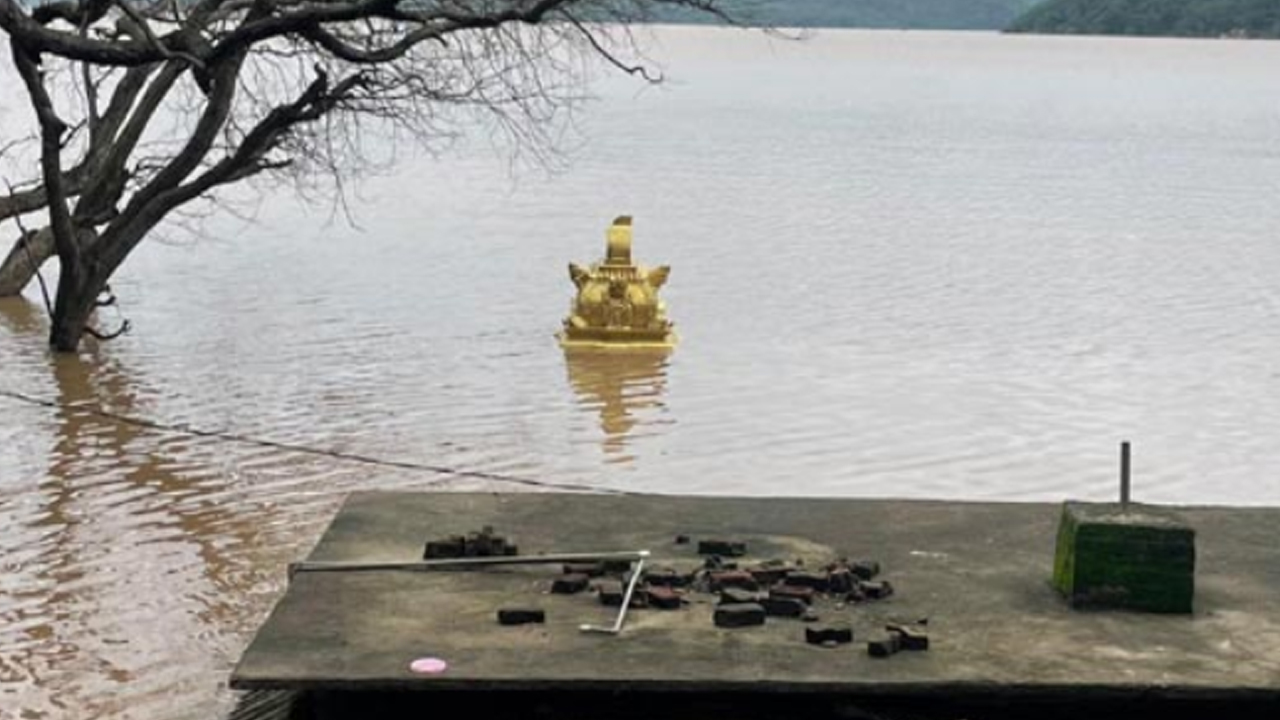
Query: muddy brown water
pixel 905 264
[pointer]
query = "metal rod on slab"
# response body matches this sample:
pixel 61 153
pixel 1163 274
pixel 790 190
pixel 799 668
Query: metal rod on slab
pixel 462 563
pixel 626 603
pixel 1124 476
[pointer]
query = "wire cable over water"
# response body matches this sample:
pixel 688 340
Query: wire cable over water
pixel 183 429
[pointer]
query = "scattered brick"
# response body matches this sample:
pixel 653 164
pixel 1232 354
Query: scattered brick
pixel 818 581
pixel 736 595
pixel 733 578
pixel 521 616
pixel 910 637
pixel 715 562
pixel 885 646
pixel 737 615
pixel 828 636
pixel 876 589
pixel 668 577
pixel 477 544
pixel 804 594
pixel 569 584
pixel 840 580
pixel 662 597
pixel 611 593
pixel 865 569
pixel 783 607
pixel 441 549
pixel 769 574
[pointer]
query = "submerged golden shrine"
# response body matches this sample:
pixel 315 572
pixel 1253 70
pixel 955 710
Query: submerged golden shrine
pixel 617 304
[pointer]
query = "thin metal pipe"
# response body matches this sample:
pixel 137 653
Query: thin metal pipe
pixel 636 572
pixel 1124 476
pixel 462 563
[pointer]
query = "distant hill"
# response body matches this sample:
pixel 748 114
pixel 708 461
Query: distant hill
pixel 915 14
pixel 1188 18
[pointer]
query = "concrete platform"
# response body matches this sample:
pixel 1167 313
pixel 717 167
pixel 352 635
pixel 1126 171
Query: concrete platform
pixel 980 573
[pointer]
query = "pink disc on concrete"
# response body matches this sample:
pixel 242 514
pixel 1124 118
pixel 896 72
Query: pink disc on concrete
pixel 428 666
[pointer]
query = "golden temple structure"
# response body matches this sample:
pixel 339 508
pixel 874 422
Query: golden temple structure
pixel 617 304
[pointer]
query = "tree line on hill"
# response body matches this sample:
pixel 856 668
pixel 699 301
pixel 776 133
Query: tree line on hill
pixel 1188 18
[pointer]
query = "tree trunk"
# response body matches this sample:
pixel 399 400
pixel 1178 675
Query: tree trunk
pixel 21 263
pixel 78 290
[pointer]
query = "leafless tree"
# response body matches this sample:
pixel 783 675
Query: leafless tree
pixel 274 89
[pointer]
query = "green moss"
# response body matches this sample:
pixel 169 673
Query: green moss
pixel 1139 560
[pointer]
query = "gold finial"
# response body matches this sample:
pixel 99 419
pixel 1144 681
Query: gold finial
pixel 617 303
pixel 618 242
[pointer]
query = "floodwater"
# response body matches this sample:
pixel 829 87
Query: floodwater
pixel 905 264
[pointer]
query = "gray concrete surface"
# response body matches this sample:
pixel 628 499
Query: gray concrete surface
pixel 980 572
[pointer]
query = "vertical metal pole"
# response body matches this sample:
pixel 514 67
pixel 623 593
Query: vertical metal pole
pixel 1124 476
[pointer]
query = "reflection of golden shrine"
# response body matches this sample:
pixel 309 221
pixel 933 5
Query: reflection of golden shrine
pixel 624 387
pixel 617 305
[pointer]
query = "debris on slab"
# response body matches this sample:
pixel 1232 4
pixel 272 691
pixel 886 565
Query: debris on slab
pixel 796 592
pixel 736 615
pixel 663 597
pixel 668 577
pixel 783 606
pixel 910 637
pixel 611 593
pixel 884 646
pixel 828 636
pixel 569 584
pixel 733 578
pixel 484 543
pixel 521 616
pixel 876 589
pixel 737 595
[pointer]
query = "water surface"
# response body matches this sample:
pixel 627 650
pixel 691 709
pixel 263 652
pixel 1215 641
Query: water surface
pixel 905 264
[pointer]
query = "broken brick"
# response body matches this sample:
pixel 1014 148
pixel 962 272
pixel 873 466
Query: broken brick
pixel 783 606
pixel 662 597
pixel 876 589
pixel 737 595
pixel 733 578
pixel 910 637
pixel 569 584
pixel 840 580
pixel 477 544
pixel 865 569
pixel 611 593
pixel 715 562
pixel 453 547
pixel 739 615
pixel 723 548
pixel 769 574
pixel 828 636
pixel 667 577
pixel 798 592
pixel 521 616
pixel 817 581
pixel 883 647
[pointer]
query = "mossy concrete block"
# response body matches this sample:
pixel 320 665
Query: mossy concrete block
pixel 1142 558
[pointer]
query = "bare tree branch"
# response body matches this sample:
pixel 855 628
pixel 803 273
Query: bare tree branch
pixel 314 93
